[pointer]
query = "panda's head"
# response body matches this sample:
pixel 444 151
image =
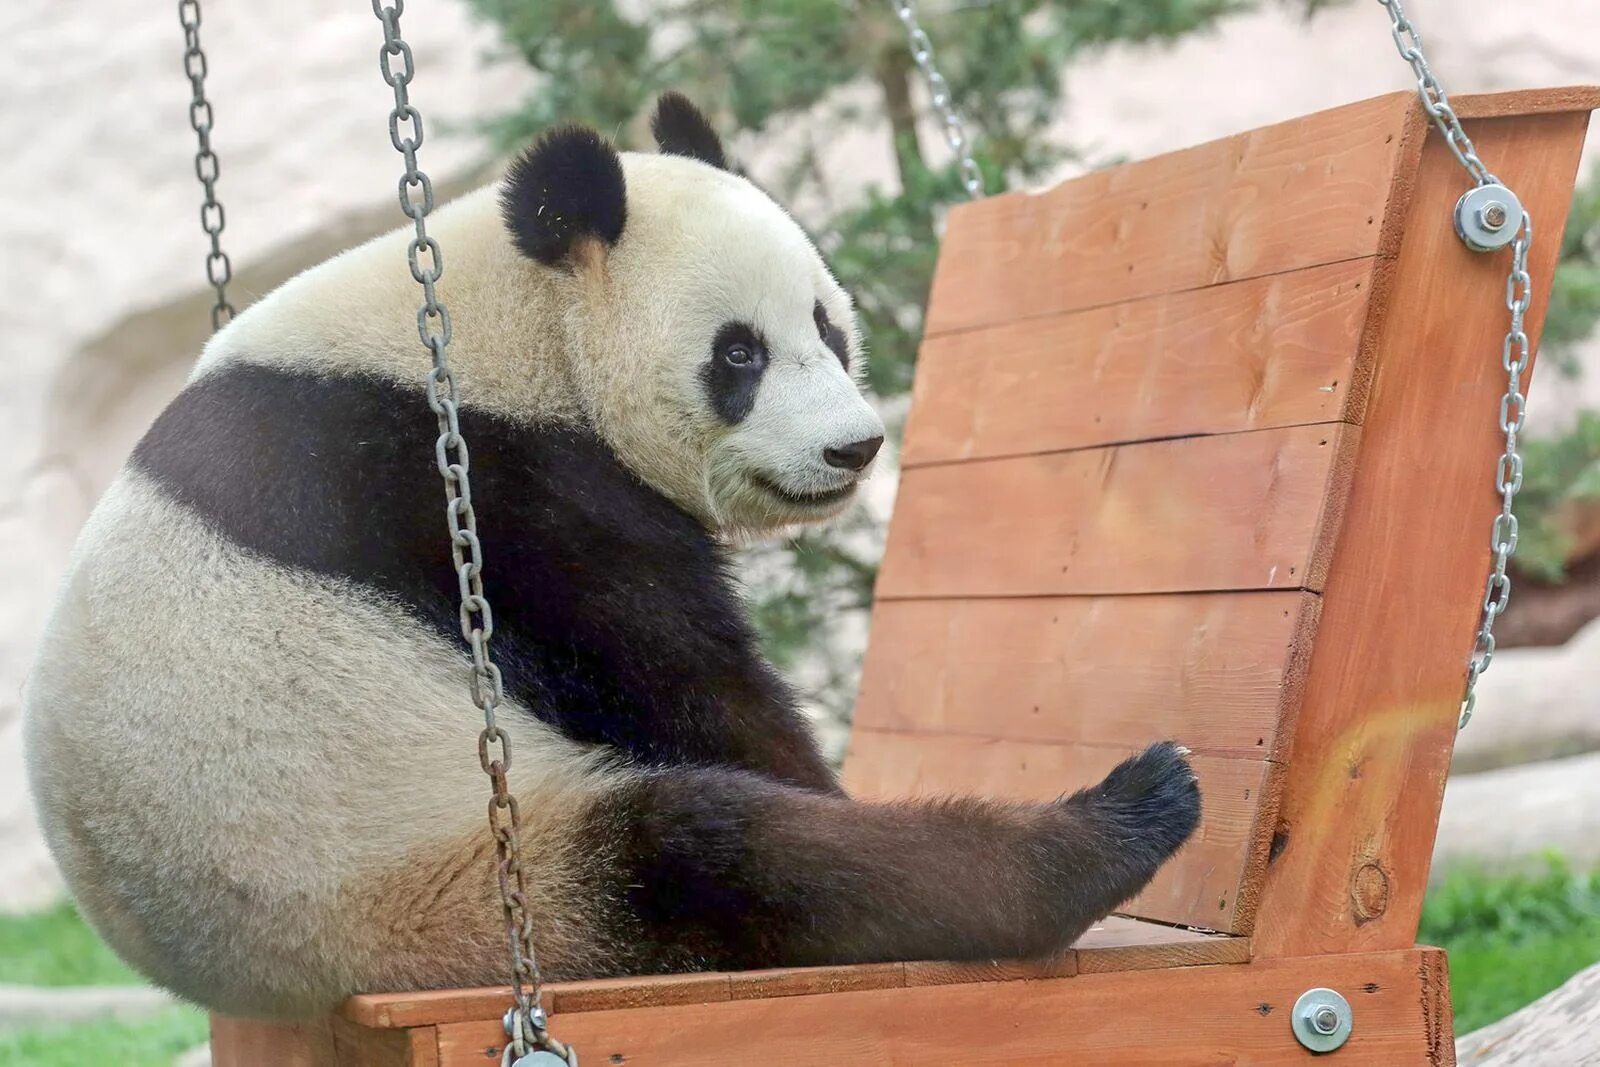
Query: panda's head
pixel 708 342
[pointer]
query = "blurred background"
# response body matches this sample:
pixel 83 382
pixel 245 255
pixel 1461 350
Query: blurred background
pixel 105 307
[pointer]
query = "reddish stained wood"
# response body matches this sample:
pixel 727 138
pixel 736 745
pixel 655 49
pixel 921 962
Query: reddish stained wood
pixel 1363 784
pixel 809 981
pixel 1201 886
pixel 1240 511
pixel 1278 351
pixel 1303 193
pixel 330 1041
pixel 1185 1017
pixel 255 1043
pixel 1118 943
pixel 1214 671
pixel 1584 98
pixel 388 1010
pixel 963 973
pixel 648 991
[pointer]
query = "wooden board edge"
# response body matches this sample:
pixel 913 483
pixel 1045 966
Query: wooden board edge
pixel 1296 669
pixel 1200 953
pixel 1514 102
pixel 1346 442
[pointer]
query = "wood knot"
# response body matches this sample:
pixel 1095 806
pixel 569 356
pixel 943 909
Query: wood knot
pixel 1369 893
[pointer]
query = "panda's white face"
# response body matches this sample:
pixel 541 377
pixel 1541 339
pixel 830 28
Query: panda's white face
pixel 712 347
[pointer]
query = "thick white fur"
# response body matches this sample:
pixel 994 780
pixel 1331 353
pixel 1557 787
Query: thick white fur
pixel 243 770
pixel 262 786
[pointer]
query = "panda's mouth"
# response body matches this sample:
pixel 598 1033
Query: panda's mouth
pixel 823 499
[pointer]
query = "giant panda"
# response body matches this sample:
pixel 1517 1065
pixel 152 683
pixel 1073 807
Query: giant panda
pixel 247 730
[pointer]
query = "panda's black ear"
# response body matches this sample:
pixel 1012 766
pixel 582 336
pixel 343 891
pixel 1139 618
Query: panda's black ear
pixel 681 130
pixel 563 191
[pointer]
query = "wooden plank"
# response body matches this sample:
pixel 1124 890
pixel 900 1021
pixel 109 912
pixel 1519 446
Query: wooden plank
pixel 640 992
pixel 1284 350
pixel 946 972
pixel 1117 943
pixel 1584 98
pixel 810 981
pixel 1214 671
pixel 424 1046
pixel 1240 511
pixel 384 1011
pixel 256 1043
pixel 331 1041
pixel 1372 744
pixel 1307 192
pixel 1184 1017
pixel 1207 884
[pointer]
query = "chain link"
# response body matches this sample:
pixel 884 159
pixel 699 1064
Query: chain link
pixel 1515 352
pixel 219 269
pixel 525 1022
pixel 955 134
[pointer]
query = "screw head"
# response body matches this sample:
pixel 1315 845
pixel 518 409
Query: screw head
pixel 1325 1020
pixel 1494 215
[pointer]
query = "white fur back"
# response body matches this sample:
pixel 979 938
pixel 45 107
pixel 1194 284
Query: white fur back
pixel 240 768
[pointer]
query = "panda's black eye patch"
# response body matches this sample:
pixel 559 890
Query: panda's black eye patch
pixel 831 335
pixel 733 374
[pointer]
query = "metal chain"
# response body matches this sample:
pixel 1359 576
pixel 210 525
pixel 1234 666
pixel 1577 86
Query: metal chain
pixel 955 134
pixel 525 1022
pixel 1515 351
pixel 219 269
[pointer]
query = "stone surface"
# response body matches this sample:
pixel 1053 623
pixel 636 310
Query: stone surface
pixel 104 306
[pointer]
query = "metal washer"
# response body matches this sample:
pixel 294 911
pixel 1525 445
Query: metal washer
pixel 1312 1014
pixel 1488 218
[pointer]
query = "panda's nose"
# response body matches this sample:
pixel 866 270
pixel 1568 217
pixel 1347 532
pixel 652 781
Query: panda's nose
pixel 853 457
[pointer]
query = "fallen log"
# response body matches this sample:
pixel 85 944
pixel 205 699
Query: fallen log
pixel 1560 1029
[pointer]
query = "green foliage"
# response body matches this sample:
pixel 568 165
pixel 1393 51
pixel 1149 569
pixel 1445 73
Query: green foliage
pixel 1556 470
pixel 1575 293
pixel 55 948
pixel 1511 939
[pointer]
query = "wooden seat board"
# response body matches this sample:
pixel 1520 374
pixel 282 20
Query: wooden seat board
pixel 1299 194
pixel 1214 671
pixel 1112 939
pixel 1282 350
pixel 1254 510
pixel 1123 1019
pixel 1205 885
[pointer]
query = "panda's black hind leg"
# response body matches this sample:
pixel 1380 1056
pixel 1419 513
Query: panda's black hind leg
pixel 716 869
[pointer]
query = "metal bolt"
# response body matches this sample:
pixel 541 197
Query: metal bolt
pixel 1321 1020
pixel 1494 214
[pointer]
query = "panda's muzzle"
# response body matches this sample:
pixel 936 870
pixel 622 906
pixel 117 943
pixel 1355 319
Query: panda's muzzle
pixel 821 499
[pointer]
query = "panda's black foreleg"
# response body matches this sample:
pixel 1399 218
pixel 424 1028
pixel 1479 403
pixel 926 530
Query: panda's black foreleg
pixel 720 869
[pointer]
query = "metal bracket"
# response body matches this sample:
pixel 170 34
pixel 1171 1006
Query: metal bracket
pixel 1322 1020
pixel 1488 218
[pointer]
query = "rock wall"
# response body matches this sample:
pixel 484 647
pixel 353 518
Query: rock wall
pixel 104 301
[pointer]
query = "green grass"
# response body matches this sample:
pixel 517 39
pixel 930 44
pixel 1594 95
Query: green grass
pixel 1511 939
pixel 57 947
pixel 150 1042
